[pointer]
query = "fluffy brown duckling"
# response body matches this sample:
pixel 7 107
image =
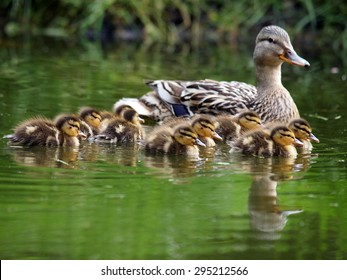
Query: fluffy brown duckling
pixel 125 128
pixel 181 139
pixel 63 131
pixel 90 119
pixel 230 127
pixel 303 132
pixel 279 141
pixel 204 126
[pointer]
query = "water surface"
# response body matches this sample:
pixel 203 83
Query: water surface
pixel 115 202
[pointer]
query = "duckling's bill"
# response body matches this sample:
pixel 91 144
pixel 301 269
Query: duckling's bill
pixel 313 138
pixel 298 143
pixel 216 136
pixel 198 142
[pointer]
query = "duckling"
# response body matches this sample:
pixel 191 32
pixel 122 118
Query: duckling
pixel 118 112
pixel 63 131
pixel 181 139
pixel 303 132
pixel 90 120
pixel 230 127
pixel 203 125
pixel 269 99
pixel 279 141
pixel 123 129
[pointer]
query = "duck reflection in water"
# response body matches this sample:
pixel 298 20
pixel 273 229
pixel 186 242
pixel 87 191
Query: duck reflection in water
pixel 267 217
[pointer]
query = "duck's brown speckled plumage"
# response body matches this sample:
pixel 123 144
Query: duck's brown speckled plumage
pixel 270 99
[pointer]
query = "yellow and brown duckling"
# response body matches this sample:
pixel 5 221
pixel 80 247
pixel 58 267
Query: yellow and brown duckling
pixel 40 131
pixel 230 127
pixel 125 128
pixel 90 119
pixel 279 141
pixel 179 140
pixel 303 132
pixel 204 126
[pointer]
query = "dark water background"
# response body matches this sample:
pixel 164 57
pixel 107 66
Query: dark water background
pixel 114 202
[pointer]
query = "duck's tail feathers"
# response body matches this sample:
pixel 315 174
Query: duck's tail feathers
pixel 134 103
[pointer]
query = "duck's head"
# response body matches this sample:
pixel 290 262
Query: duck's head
pixel 302 130
pixel 205 127
pixel 273 47
pixel 249 120
pixel 131 115
pixel 69 125
pixel 91 116
pixel 283 136
pixel 185 135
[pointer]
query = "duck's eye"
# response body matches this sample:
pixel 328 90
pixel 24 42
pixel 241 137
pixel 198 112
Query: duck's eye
pixel 270 40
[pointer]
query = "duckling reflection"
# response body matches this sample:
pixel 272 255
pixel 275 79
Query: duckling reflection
pixel 177 169
pixel 266 214
pixel 62 157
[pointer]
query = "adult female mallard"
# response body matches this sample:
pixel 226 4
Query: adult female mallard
pixel 40 131
pixel 269 99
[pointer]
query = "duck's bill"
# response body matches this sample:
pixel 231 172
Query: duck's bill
pixel 292 57
pixel 216 136
pixel 198 142
pixel 313 138
pixel 298 143
pixel 141 120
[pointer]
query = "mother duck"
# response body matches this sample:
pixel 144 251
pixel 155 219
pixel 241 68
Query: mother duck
pixel 270 99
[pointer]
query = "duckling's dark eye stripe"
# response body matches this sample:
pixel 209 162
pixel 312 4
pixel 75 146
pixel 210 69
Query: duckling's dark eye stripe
pixel 252 119
pixel 96 116
pixel 302 128
pixel 207 126
pixel 287 135
pixel 187 134
pixel 74 125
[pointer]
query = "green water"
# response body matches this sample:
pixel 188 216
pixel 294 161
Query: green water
pixel 115 202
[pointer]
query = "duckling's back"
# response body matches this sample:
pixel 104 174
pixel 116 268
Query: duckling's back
pixel 36 131
pixel 256 142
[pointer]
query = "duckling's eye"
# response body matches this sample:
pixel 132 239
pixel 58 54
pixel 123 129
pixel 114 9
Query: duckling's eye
pixel 270 40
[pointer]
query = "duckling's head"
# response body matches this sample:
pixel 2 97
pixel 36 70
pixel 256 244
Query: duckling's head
pixel 185 135
pixel 132 116
pixel 249 120
pixel 273 47
pixel 91 116
pixel 205 127
pixel 283 136
pixel 69 125
pixel 302 130
pixel 119 111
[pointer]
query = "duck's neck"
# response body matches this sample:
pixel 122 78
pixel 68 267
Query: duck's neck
pixel 268 77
